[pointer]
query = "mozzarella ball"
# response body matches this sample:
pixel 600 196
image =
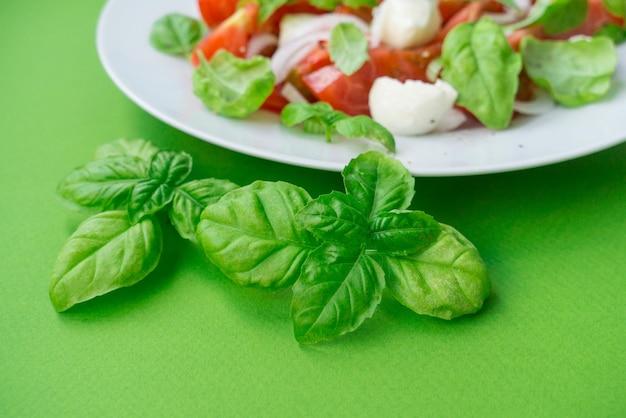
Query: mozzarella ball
pixel 410 108
pixel 406 23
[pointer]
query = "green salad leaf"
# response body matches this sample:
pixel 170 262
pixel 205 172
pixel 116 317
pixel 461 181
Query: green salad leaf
pixel 338 289
pixel 231 86
pixel 249 234
pixel 480 64
pixel 555 16
pixel 321 118
pixel 446 280
pixel 139 148
pixel 614 32
pixel 616 7
pixel 105 253
pixel 348 48
pixel 575 72
pixel 176 34
pixel 189 201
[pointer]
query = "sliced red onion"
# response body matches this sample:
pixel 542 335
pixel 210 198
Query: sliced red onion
pixel 294 51
pixel 326 22
pixel 259 42
pixel 511 14
pixel 292 94
pixel 541 103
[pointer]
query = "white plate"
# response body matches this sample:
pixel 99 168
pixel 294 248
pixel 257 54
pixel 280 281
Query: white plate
pixel 162 86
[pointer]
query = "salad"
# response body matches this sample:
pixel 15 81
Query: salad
pixel 370 68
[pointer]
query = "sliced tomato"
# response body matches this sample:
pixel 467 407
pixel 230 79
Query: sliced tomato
pixel 404 64
pixel 471 12
pixel 214 12
pixel 348 94
pixel 276 101
pixel 232 34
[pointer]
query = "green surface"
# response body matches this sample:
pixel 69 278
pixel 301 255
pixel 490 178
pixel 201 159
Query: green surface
pixel 186 342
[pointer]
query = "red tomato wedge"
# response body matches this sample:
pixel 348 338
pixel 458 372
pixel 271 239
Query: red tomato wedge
pixel 214 12
pixel 232 34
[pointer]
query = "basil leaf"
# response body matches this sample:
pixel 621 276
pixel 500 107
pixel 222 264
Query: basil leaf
pixel 447 280
pixel 103 184
pixel 403 233
pixel 338 289
pixel 614 32
pixel 268 7
pixel 335 218
pixel 348 48
pixel 139 148
pixel 574 72
pixel 362 126
pixel 231 86
pixel 189 201
pixel 615 7
pixel 176 34
pixel 379 183
pixel 555 16
pixel 250 234
pixel 480 64
pixel 317 118
pixel 105 253
pixel 167 170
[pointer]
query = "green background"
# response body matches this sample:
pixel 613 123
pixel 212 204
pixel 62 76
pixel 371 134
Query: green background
pixel 550 341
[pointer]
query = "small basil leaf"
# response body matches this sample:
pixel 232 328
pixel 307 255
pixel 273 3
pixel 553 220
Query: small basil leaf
pixel 480 64
pixel 176 34
pixel 231 86
pixel 379 183
pixel 616 7
pixel 268 7
pixel 614 32
pixel 189 201
pixel 447 280
pixel 316 118
pixel 555 16
pixel 574 72
pixel 167 169
pixel 403 233
pixel 139 148
pixel 250 234
pixel 335 218
pixel 337 290
pixel 103 184
pixel 348 47
pixel 362 126
pixel 105 253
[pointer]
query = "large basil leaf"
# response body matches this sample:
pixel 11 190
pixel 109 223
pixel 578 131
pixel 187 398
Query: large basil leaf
pixel 447 280
pixel 105 253
pixel 167 170
pixel 335 218
pixel 403 233
pixel 574 72
pixel 231 86
pixel 361 126
pixel 339 288
pixel 250 234
pixel 379 183
pixel 189 201
pixel 480 64
pixel 103 184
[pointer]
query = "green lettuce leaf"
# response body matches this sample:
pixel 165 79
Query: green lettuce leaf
pixel 233 87
pixel 574 72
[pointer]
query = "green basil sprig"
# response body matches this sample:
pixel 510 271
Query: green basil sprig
pixel 339 251
pixel 129 182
